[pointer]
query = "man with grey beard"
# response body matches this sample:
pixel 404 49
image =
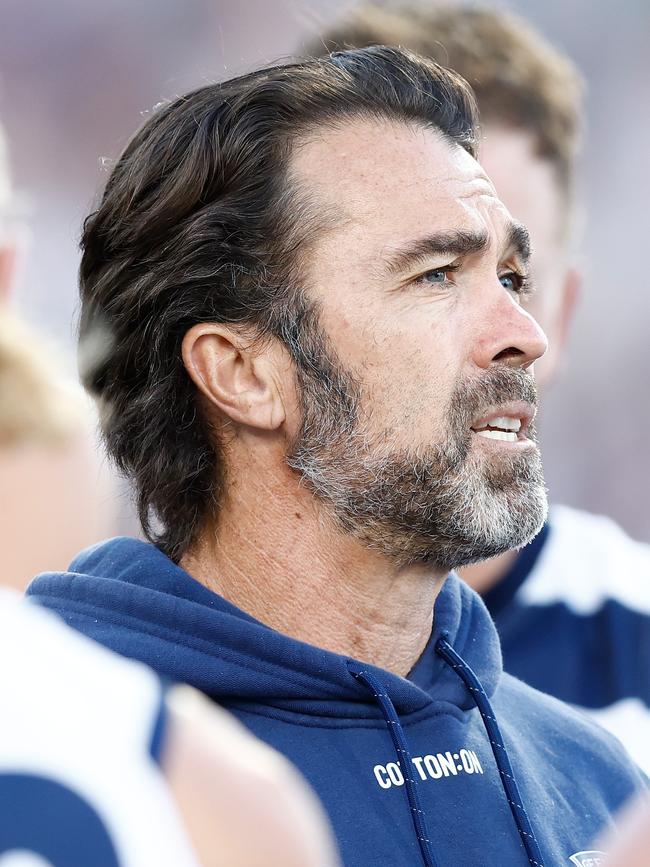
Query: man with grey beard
pixel 317 371
pixel 572 608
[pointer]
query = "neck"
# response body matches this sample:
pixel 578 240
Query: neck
pixel 487 574
pixel 278 556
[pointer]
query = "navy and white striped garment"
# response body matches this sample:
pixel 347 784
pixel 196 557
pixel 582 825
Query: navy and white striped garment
pixel 574 618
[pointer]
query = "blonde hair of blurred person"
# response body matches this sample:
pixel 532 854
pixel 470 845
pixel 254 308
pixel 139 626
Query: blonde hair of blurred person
pixel 56 495
pixel 530 102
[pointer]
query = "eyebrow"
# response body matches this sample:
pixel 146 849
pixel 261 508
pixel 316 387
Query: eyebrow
pixel 443 244
pixel 518 240
pixel 455 244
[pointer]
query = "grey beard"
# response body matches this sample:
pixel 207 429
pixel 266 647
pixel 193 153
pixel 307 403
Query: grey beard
pixel 439 505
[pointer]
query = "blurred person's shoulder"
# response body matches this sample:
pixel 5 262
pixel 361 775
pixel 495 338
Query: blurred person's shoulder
pixel 588 560
pixel 578 624
pixel 81 734
pixel 99 758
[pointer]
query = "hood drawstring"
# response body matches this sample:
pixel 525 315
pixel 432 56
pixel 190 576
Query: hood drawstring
pixel 478 694
pixel 404 759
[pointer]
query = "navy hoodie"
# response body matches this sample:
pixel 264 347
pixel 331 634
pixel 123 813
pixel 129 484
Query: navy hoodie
pixel 457 764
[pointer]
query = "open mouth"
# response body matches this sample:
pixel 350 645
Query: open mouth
pixel 502 428
pixel 507 424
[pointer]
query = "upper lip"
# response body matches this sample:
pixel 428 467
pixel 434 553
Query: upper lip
pixel 525 412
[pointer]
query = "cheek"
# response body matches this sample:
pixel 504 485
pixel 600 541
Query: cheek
pixel 409 377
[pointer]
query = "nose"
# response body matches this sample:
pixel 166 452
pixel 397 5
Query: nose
pixel 508 334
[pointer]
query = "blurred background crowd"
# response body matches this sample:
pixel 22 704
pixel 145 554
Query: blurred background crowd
pixel 76 78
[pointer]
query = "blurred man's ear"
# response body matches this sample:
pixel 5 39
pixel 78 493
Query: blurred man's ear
pixel 9 260
pixel 559 327
pixel 570 296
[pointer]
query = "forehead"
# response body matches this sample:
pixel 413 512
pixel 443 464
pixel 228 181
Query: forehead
pixel 392 181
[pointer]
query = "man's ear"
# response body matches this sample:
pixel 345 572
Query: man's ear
pixel 238 379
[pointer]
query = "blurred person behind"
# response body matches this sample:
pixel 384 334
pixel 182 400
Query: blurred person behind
pixel 629 844
pixel 572 607
pixel 103 766
pixel 56 494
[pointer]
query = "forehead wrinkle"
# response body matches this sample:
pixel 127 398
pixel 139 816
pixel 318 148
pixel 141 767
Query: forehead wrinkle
pixel 479 185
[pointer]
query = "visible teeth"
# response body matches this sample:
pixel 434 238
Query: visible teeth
pixel 505 436
pixel 506 423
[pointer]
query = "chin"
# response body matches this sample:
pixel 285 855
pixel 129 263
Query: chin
pixel 481 524
pixel 500 523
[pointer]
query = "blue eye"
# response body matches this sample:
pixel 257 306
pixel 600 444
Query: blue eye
pixel 512 282
pixel 438 275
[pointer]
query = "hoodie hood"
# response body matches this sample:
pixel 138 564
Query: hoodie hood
pixel 128 595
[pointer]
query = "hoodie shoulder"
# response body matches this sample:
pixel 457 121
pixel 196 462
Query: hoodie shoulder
pixel 566 736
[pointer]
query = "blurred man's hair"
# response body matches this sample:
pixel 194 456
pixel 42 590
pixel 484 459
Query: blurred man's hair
pixel 518 77
pixel 201 222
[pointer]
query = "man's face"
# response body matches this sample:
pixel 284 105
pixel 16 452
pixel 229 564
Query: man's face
pixel 527 184
pixel 419 429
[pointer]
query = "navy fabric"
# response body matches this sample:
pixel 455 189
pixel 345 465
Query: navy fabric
pixel 591 659
pixel 308 703
pixel 499 749
pixel 159 729
pixel 42 817
pixel 500 596
pixel 404 758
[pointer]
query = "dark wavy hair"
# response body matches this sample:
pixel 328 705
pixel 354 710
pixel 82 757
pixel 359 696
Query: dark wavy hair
pixel 199 222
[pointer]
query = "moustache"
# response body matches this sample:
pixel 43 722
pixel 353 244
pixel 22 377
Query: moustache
pixel 497 386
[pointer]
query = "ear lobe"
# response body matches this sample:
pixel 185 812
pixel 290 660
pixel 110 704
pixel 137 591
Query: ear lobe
pixel 236 379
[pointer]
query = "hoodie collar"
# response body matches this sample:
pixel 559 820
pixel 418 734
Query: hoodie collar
pixel 129 596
